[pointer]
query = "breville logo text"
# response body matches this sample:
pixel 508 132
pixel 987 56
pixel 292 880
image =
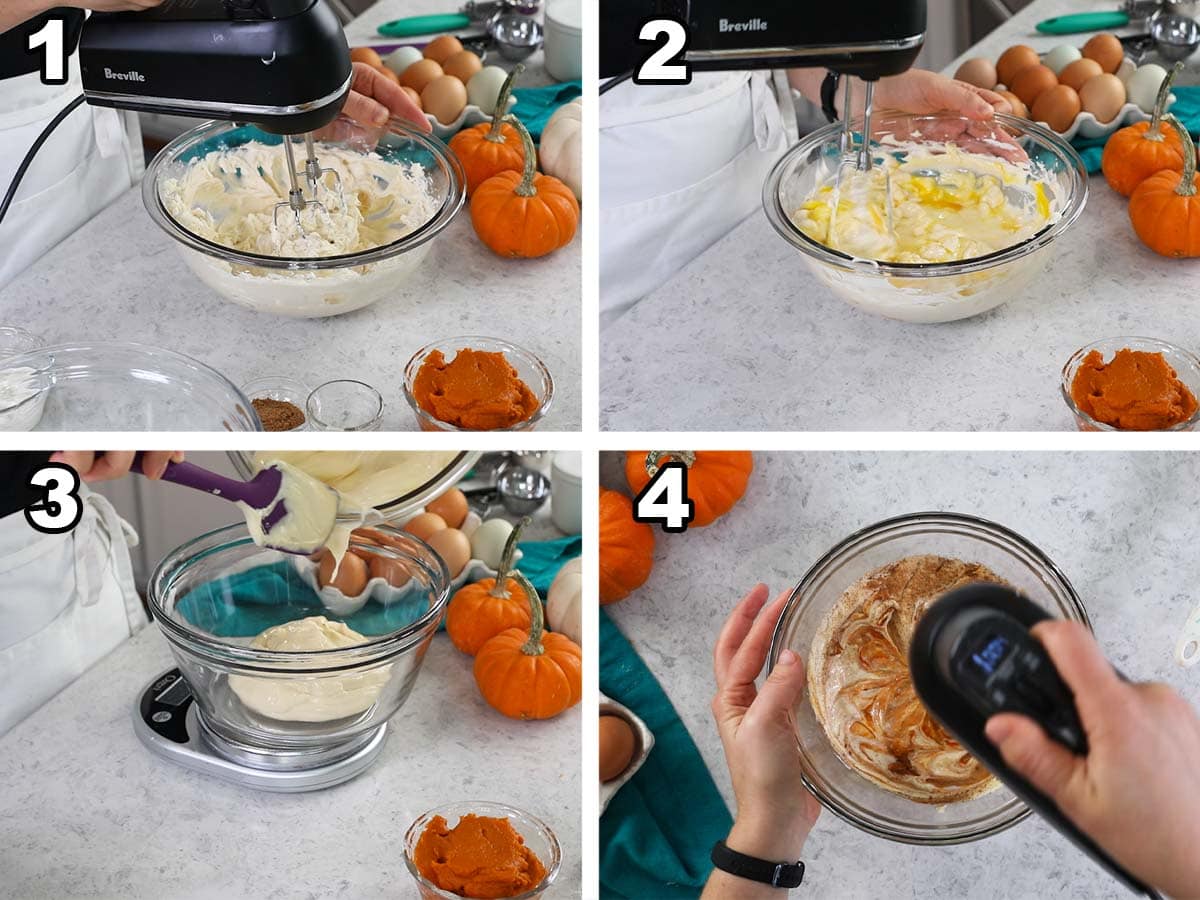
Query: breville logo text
pixel 725 25
pixel 123 76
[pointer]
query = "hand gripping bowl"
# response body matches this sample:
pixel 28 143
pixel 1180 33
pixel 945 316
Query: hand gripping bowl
pixel 845 792
pixel 929 292
pixel 213 595
pixel 320 286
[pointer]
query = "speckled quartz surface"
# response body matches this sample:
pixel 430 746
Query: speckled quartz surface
pixel 119 277
pixel 1120 526
pixel 745 338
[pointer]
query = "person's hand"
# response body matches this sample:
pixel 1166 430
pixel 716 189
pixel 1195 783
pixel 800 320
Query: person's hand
pixel 374 99
pixel 920 91
pixel 775 812
pixel 107 465
pixel 1136 791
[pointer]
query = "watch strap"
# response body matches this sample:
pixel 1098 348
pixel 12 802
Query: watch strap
pixel 828 92
pixel 776 874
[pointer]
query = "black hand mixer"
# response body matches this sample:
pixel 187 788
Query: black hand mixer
pixel 282 65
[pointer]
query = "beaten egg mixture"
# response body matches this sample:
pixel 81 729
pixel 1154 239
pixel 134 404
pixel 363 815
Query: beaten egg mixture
pixel 945 205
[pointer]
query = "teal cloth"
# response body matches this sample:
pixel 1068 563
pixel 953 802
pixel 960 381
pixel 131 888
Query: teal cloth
pixel 1186 108
pixel 535 105
pixel 658 830
pixel 541 560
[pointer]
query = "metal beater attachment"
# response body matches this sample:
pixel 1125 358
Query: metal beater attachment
pixel 860 159
pixel 313 175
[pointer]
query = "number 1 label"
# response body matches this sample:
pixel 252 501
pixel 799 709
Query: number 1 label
pixel 51 37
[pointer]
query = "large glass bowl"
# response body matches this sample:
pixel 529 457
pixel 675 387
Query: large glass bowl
pixel 928 292
pixel 971 539
pixel 310 287
pixel 213 595
pixel 117 386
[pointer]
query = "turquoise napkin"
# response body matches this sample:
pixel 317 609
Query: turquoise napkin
pixel 658 830
pixel 541 560
pixel 1186 108
pixel 535 105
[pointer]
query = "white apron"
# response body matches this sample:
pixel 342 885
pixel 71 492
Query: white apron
pixel 89 160
pixel 67 601
pixel 680 167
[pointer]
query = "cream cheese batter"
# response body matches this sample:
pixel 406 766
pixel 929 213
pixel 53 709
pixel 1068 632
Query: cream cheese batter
pixel 229 197
pixel 322 698
pixel 367 478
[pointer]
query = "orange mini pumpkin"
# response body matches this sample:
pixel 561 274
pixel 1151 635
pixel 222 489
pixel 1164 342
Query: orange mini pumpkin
pixel 482 610
pixel 626 548
pixel 490 148
pixel 1165 208
pixel 716 478
pixel 530 673
pixel 524 214
pixel 1137 151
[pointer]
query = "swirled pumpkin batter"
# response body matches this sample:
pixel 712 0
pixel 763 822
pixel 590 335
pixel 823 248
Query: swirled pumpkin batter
pixel 862 693
pixel 480 857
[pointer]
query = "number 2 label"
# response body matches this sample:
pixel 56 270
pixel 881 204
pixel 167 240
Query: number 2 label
pixel 60 508
pixel 664 65
pixel 52 38
pixel 664 500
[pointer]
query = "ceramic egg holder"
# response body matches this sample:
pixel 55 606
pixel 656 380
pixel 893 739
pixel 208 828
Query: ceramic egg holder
pixel 643 744
pixel 470 116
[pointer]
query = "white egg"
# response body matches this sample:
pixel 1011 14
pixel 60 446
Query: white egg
pixel 401 58
pixel 1125 69
pixel 488 540
pixel 484 87
pixel 1142 86
pixel 1061 57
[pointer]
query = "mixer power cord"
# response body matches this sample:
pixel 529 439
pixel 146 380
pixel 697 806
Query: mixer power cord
pixel 37 145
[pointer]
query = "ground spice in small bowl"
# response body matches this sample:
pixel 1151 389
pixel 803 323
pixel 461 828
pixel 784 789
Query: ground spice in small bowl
pixel 278 415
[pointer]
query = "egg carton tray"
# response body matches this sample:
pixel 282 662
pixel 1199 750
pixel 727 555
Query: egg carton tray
pixel 644 738
pixel 1089 127
pixel 471 115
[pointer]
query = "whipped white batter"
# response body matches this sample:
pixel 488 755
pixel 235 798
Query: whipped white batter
pixel 367 478
pixel 310 699
pixel 229 198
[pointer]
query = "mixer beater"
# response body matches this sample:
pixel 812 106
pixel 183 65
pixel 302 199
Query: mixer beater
pixel 314 175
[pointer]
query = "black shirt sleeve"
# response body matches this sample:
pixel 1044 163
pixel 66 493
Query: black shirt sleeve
pixel 16 467
pixel 15 56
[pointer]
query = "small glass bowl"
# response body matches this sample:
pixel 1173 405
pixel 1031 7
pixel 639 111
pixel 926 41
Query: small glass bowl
pixel 1185 363
pixel 280 387
pixel 529 368
pixel 14 340
pixel 344 405
pixel 538 838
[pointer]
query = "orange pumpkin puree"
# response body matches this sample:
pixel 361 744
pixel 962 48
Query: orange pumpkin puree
pixel 477 390
pixel 1134 391
pixel 480 857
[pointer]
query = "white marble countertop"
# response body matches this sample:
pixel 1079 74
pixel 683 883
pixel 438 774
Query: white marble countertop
pixel 745 338
pixel 119 278
pixel 1121 526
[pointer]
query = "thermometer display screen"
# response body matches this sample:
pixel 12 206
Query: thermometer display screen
pixel 989 657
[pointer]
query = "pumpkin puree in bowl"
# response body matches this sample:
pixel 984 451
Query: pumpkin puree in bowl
pixel 477 390
pixel 1134 391
pixel 480 857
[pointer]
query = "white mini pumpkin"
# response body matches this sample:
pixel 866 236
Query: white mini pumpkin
pixel 561 150
pixel 564 601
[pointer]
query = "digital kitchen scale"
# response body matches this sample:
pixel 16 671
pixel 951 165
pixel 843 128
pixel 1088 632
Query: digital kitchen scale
pixel 972 656
pixel 168 721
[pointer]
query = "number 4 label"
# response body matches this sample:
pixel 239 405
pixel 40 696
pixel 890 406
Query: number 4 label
pixel 664 500
pixel 60 508
pixel 52 37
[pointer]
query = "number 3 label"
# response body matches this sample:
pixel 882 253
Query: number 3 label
pixel 664 500
pixel 60 508
pixel 51 36
pixel 665 63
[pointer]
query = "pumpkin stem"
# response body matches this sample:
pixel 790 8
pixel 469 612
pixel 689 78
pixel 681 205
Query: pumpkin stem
pixel 494 133
pixel 1187 182
pixel 506 560
pixel 525 188
pixel 537 620
pixel 655 458
pixel 1153 133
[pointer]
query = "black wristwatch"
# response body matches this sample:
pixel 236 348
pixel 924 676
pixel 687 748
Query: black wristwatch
pixel 776 874
pixel 828 91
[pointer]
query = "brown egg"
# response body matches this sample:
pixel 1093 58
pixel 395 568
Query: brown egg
pixel 1078 73
pixel 617 743
pixel 979 72
pixel 390 569
pixel 414 96
pixel 1032 82
pixel 1012 61
pixel 366 55
pixel 1103 96
pixel 1057 107
pixel 1018 106
pixel 454 549
pixel 351 575
pixel 444 98
pixel 442 48
pixel 451 506
pixel 420 74
pixel 425 526
pixel 462 65
pixel 1105 49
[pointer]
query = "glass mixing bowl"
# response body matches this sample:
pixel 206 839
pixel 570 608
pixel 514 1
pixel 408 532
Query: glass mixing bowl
pixel 928 292
pixel 310 287
pixel 213 595
pixel 123 387
pixel 971 539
